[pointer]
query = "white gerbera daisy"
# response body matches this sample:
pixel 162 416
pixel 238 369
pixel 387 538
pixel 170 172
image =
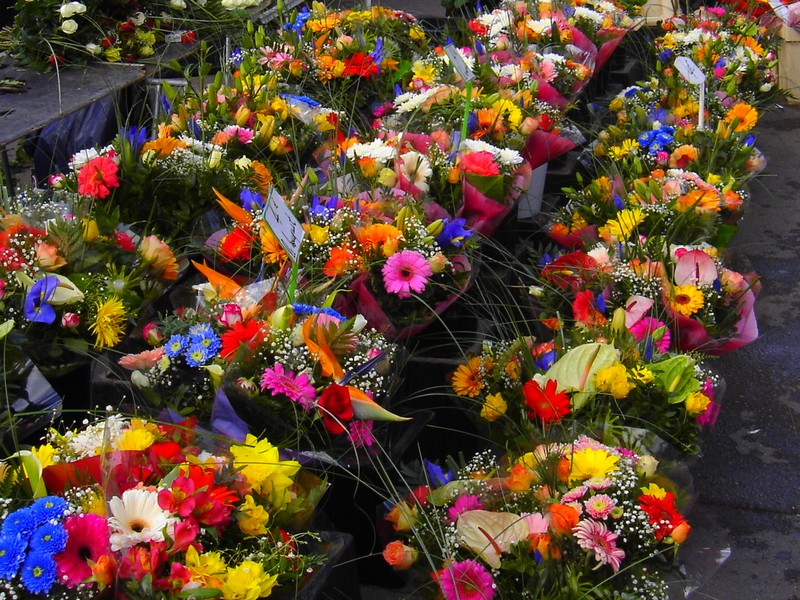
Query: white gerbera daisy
pixel 137 519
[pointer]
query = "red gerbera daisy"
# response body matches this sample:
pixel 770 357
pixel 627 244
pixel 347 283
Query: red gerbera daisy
pixel 584 309
pixel 662 512
pixel 97 177
pixel 546 404
pixel 247 333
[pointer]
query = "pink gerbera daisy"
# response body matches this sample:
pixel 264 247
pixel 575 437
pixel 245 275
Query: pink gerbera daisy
pixel 463 504
pixel 297 388
pixel 647 326
pixel 600 506
pixel 87 541
pixel 595 536
pixel 406 272
pixel 466 580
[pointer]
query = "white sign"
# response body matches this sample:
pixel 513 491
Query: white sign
pixel 780 9
pixel 283 224
pixel 690 71
pixel 458 63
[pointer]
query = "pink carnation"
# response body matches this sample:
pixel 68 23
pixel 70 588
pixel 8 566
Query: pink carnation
pixel 143 360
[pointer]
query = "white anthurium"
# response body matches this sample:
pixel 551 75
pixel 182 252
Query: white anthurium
pixel 488 534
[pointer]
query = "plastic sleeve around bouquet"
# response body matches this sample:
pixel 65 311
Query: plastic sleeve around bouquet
pixel 484 214
pixel 100 469
pixel 549 94
pixel 607 49
pixel 692 335
pixel 361 300
pixel 544 146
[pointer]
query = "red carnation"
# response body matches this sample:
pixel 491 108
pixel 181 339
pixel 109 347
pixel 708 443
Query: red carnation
pixel 97 177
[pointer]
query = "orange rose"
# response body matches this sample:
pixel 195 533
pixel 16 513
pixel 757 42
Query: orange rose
pixel 402 516
pixel 104 570
pixel 563 518
pixel 680 533
pixel 520 479
pixel 399 556
pixel 162 261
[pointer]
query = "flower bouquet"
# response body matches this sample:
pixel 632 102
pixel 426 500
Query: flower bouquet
pixel 54 32
pixel 563 521
pixel 136 508
pixel 73 278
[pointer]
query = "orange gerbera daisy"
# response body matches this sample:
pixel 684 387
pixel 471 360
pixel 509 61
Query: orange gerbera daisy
pixel 744 115
pixel 261 176
pixel 342 261
pixel 373 237
pixel 468 379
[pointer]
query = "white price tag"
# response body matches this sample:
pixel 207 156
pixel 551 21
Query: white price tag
pixel 690 71
pixel 283 224
pixel 458 63
pixel 780 9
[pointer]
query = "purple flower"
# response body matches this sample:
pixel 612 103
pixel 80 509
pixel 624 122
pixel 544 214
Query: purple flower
pixel 453 233
pixel 36 307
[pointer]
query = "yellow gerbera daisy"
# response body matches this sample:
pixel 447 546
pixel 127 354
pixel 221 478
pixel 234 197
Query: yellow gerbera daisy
pixel 686 300
pixel 592 464
pixel 109 324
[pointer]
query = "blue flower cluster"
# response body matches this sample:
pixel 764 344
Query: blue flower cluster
pixel 655 140
pixel 198 347
pixel 30 538
pixel 308 309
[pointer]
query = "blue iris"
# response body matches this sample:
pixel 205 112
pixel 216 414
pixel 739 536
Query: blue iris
pixel 36 306
pixel 436 475
pixel 251 200
pixel 304 99
pixel 546 360
pixel 12 552
pixel 38 573
pixel 377 54
pixel 49 539
pixel 453 233
pixel 136 137
pixel 299 21
pixel 619 203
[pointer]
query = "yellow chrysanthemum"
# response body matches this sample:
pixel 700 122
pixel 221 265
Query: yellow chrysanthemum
pixel 686 300
pixel 625 224
pixel 592 464
pixel 744 115
pixel 109 324
pixel 614 380
pixel 135 439
pixel 494 407
pixel 424 72
pixel 697 403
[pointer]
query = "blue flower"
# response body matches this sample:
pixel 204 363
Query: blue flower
pixel 546 360
pixel 21 523
pixel 323 209
pixel 750 140
pixel 197 355
pixel 453 233
pixel 665 56
pixel 600 303
pixel 299 21
pixel 49 507
pixel 38 573
pixel 136 137
pixel 36 307
pixel 50 539
pixel 304 99
pixel 619 203
pixel 472 122
pixel 437 475
pixel 251 200
pixel 236 58
pixel 175 345
pixel 308 309
pixel 377 54
pixel 12 553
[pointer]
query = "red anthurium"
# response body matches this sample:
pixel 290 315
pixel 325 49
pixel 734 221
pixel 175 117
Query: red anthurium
pixel 571 271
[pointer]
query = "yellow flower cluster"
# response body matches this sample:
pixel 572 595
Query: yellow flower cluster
pixel 260 463
pixel 614 380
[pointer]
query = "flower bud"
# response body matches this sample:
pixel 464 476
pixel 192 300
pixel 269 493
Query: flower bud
pixel 69 26
pixel 231 314
pixel 152 335
pixel 70 320
pixel 647 466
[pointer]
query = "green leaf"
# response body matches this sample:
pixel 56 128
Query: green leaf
pixel 488 185
pixel 5 328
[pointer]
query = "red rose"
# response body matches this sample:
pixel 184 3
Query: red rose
pixel 336 408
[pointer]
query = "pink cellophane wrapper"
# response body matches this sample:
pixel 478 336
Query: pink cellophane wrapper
pixel 691 335
pixel 543 146
pixel 361 300
pixel 483 214
pixel 607 49
pixel 547 93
